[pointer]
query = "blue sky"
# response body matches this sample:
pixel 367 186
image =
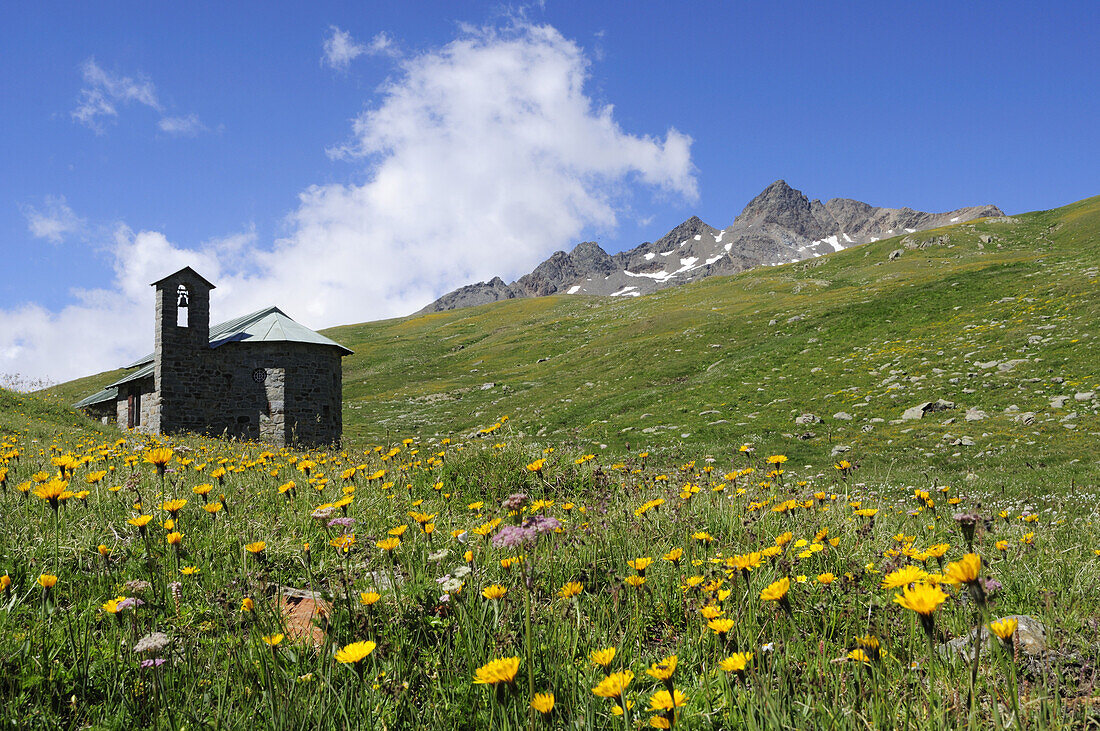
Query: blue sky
pixel 351 161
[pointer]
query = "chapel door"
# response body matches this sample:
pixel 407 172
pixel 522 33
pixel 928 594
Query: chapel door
pixel 131 411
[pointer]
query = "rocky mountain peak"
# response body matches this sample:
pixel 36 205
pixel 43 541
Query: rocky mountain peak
pixel 778 226
pixel 781 205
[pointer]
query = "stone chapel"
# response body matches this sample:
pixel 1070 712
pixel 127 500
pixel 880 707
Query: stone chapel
pixel 261 376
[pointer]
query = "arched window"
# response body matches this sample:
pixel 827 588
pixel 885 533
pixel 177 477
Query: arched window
pixel 182 300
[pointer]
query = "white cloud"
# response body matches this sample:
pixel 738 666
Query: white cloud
pixel 482 157
pixel 341 49
pixel 104 92
pixel 188 126
pixel 53 221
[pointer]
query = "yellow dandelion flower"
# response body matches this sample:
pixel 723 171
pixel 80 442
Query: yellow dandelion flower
pixel 736 663
pixel 356 651
pixel 1004 628
pixel 614 685
pixel 662 670
pixel 494 591
pixel 502 670
pixel 776 591
pixel 602 658
pixel 570 589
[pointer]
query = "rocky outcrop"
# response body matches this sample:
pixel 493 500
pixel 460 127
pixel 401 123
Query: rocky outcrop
pixel 779 226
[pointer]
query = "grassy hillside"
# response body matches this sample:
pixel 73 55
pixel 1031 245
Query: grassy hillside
pixel 432 587
pixel 998 326
pixel 738 358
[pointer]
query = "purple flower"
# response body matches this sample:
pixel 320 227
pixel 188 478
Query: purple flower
pixel 514 501
pixel 152 663
pixel 130 603
pixel 342 522
pixel 991 586
pixel 542 524
pixel 511 536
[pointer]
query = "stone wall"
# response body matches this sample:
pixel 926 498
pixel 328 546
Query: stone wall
pixel 147 405
pixel 279 392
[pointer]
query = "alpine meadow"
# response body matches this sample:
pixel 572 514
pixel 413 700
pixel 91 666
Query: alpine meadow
pixel 854 491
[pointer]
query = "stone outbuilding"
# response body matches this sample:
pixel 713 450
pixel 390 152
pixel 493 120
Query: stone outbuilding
pixel 261 376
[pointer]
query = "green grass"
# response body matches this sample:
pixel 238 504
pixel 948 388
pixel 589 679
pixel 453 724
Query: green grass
pixel 641 371
pixel 69 663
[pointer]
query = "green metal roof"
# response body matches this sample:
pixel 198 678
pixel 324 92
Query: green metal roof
pixel 108 394
pixel 264 326
pixel 146 371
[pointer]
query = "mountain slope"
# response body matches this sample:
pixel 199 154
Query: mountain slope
pixel 996 316
pixel 779 226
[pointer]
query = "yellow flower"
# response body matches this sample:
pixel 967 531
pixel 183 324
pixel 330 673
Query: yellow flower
pixel 674 555
pixel 5 582
pixel 602 658
pixel 174 539
pixel 502 670
pixel 389 544
pixel 776 591
pixel 367 598
pixel 721 626
pixel 47 581
pixel 922 599
pixel 777 459
pixel 614 685
pixel 747 561
pixel 965 571
pixel 111 607
pixel 494 591
pixel 255 548
pixel 190 570
pixel 140 521
pixel 273 640
pixel 174 506
pixel 570 589
pixel 1004 628
pixel 212 508
pixel 703 537
pixel 659 721
pixel 903 577
pixel 400 530
pixel 52 491
pixel 635 581
pixel 711 611
pixel 537 465
pixel 202 489
pixel 356 651
pixel 543 702
pixel 826 578
pixel 736 663
pixel 662 700
pixel 859 656
pixel 103 550
pixel 662 670
pixel 158 457
pixel 640 564
pixel 247 605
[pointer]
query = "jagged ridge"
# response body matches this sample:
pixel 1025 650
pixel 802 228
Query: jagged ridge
pixel 779 226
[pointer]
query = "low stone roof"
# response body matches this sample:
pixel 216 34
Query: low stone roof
pixel 108 394
pixel 263 326
pixel 146 371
